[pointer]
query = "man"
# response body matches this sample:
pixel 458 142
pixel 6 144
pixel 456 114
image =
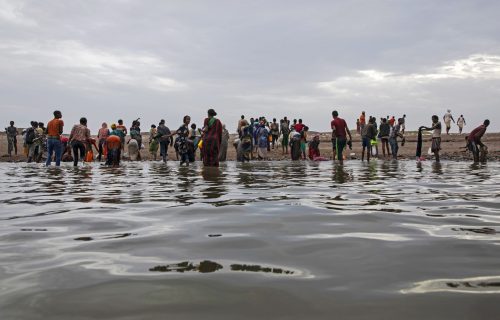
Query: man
pixel 362 121
pixel 368 133
pixel 164 135
pixel 474 143
pixel 79 138
pixel 241 124
pixel 461 123
pixel 275 131
pixel 393 139
pixel 403 125
pixel 436 136
pixel 448 118
pixel 11 139
pixel 31 141
pixel 54 131
pixel 340 131
pixel 285 133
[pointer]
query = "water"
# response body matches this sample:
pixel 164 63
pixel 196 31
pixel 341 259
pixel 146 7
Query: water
pixel 250 241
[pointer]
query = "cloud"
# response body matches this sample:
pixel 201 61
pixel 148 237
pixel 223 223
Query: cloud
pixel 73 64
pixel 12 12
pixel 475 67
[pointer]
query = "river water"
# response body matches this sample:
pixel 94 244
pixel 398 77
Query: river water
pixel 270 240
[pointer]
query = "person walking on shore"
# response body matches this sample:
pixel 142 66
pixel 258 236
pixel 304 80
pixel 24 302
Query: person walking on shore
pixel 165 138
pixel 436 136
pixel 461 123
pixel 448 118
pixel 393 139
pixel 474 143
pixel 102 135
pixel 212 136
pixel 340 131
pixel 11 132
pixel 79 138
pixel 54 132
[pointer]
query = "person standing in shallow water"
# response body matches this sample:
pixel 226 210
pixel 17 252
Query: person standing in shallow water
pixel 102 135
pixel 79 137
pixel 384 132
pixel 184 144
pixel 474 143
pixel 285 133
pixel 436 136
pixel 224 144
pixel 212 137
pixel 11 139
pixel 340 131
pixel 164 136
pixel 54 145
pixel 393 139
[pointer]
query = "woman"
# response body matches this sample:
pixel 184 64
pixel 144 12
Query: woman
pixel 102 135
pixel 212 136
pixel 262 140
pixel 135 133
pixel 224 144
pixel 183 144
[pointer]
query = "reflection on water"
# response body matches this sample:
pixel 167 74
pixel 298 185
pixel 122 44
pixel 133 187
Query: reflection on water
pixel 325 236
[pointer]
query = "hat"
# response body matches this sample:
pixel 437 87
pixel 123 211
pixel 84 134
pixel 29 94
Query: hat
pixel 113 126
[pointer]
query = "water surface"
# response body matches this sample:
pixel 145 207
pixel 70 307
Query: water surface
pixel 280 240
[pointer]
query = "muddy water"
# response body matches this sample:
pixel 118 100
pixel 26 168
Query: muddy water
pixel 256 241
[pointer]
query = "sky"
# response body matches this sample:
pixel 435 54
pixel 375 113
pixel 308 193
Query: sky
pixel 153 60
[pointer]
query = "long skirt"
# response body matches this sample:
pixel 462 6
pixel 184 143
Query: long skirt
pixel 210 150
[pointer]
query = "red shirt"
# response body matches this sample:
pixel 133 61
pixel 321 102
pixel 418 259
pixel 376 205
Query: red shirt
pixel 477 134
pixel 340 127
pixel 299 127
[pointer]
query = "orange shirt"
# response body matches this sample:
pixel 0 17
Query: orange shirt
pixel 54 128
pixel 113 142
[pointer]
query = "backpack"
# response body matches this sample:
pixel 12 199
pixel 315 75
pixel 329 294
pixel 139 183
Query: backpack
pixel 30 136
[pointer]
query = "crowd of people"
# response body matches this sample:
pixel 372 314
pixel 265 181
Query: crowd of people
pixel 256 137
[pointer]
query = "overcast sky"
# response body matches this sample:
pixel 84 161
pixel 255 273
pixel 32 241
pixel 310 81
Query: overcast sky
pixel 163 59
